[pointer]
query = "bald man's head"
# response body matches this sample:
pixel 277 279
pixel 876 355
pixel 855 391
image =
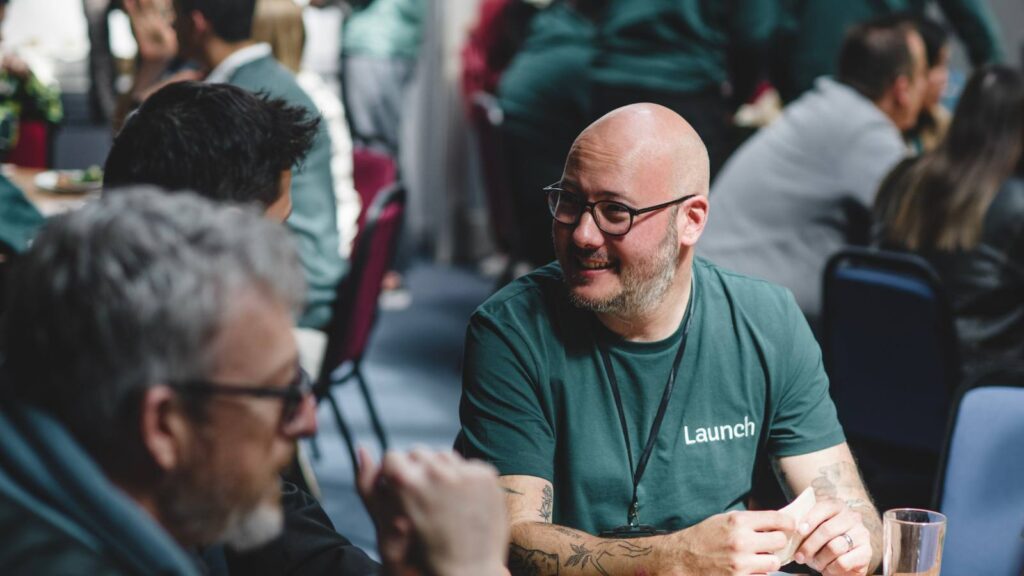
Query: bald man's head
pixel 647 137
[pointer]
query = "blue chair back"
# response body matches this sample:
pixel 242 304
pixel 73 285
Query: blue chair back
pixel 981 489
pixel 890 348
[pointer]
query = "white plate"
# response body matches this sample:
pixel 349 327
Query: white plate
pixel 49 181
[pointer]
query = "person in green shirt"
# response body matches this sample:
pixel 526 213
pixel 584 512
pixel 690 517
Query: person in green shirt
pixel 701 58
pixel 379 47
pixel 625 391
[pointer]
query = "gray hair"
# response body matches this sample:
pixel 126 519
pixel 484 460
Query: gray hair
pixel 129 292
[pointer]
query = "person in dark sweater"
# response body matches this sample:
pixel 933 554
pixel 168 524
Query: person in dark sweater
pixel 961 207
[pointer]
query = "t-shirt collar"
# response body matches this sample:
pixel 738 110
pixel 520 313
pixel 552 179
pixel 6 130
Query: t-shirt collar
pixel 239 58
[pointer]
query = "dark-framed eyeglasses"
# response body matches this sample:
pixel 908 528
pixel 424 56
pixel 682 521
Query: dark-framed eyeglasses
pixel 291 396
pixel 613 218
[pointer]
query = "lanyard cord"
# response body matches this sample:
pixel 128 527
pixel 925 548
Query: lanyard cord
pixel 641 466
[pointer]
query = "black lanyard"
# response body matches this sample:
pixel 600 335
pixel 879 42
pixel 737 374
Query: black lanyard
pixel 633 516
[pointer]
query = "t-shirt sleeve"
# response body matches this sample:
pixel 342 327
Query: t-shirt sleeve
pixel 805 418
pixel 502 412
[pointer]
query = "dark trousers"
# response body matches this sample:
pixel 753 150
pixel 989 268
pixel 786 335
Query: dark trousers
pixel 708 113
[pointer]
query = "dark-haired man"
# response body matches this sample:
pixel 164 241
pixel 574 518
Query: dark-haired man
pixel 802 188
pixel 219 140
pixel 152 395
pixel 217 34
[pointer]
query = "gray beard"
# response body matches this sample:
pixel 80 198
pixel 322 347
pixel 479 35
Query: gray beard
pixel 251 528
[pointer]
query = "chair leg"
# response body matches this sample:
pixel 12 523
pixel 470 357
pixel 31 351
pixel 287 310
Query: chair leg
pixel 345 432
pixel 372 408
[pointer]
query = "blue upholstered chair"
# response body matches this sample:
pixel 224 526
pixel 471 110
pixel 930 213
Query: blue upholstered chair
pixel 890 350
pixel 982 484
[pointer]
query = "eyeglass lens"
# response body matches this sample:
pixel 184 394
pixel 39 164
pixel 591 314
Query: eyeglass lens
pixel 611 217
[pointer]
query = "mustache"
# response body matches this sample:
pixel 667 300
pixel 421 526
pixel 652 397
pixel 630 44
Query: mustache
pixel 592 254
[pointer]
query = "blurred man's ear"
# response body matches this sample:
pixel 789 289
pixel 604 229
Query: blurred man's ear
pixel 164 427
pixel 902 90
pixel 282 207
pixel 200 26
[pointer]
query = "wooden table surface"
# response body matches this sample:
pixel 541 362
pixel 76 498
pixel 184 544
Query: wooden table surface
pixel 48 203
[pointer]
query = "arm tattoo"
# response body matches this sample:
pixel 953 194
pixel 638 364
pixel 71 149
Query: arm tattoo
pixel 545 503
pixel 511 492
pixel 583 556
pixel 834 480
pixel 524 562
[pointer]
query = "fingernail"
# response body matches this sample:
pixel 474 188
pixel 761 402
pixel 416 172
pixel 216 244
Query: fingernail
pixel 799 558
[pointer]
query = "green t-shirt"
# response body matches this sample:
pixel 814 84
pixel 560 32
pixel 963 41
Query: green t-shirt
pixel 680 46
pixel 386 29
pixel 537 400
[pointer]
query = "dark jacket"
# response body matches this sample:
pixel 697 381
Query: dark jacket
pixel 986 283
pixel 60 515
pixel 309 545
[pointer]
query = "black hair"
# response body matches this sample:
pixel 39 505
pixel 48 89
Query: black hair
pixel 935 37
pixel 216 139
pixel 231 19
pixel 875 53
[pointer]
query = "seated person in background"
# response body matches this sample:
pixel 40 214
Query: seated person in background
pixel 279 24
pixel 176 399
pixel 802 188
pixel 933 121
pixel 961 208
pixel 545 98
pixel 223 142
pixel 570 371
pixel 217 34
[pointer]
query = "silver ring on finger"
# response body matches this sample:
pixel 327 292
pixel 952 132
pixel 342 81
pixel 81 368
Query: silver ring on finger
pixel 849 541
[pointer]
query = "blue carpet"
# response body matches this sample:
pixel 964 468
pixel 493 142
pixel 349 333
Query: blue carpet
pixel 414 372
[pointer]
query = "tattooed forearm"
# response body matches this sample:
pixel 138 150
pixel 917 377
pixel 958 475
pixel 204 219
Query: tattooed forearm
pixel 842 481
pixel 546 503
pixel 525 562
pixel 584 555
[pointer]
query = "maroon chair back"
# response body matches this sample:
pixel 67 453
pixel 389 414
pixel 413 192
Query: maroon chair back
pixel 355 306
pixel 372 172
pixel 32 148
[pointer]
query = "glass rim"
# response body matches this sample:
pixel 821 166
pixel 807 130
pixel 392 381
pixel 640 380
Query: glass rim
pixel 934 518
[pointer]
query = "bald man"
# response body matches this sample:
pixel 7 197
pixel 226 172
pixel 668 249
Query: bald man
pixel 625 391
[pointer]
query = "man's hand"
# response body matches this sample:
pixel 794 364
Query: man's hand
pixel 732 543
pixel 15 66
pixel 837 543
pixel 153 26
pixel 448 510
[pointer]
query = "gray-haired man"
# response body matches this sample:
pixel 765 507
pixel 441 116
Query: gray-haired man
pixel 151 396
